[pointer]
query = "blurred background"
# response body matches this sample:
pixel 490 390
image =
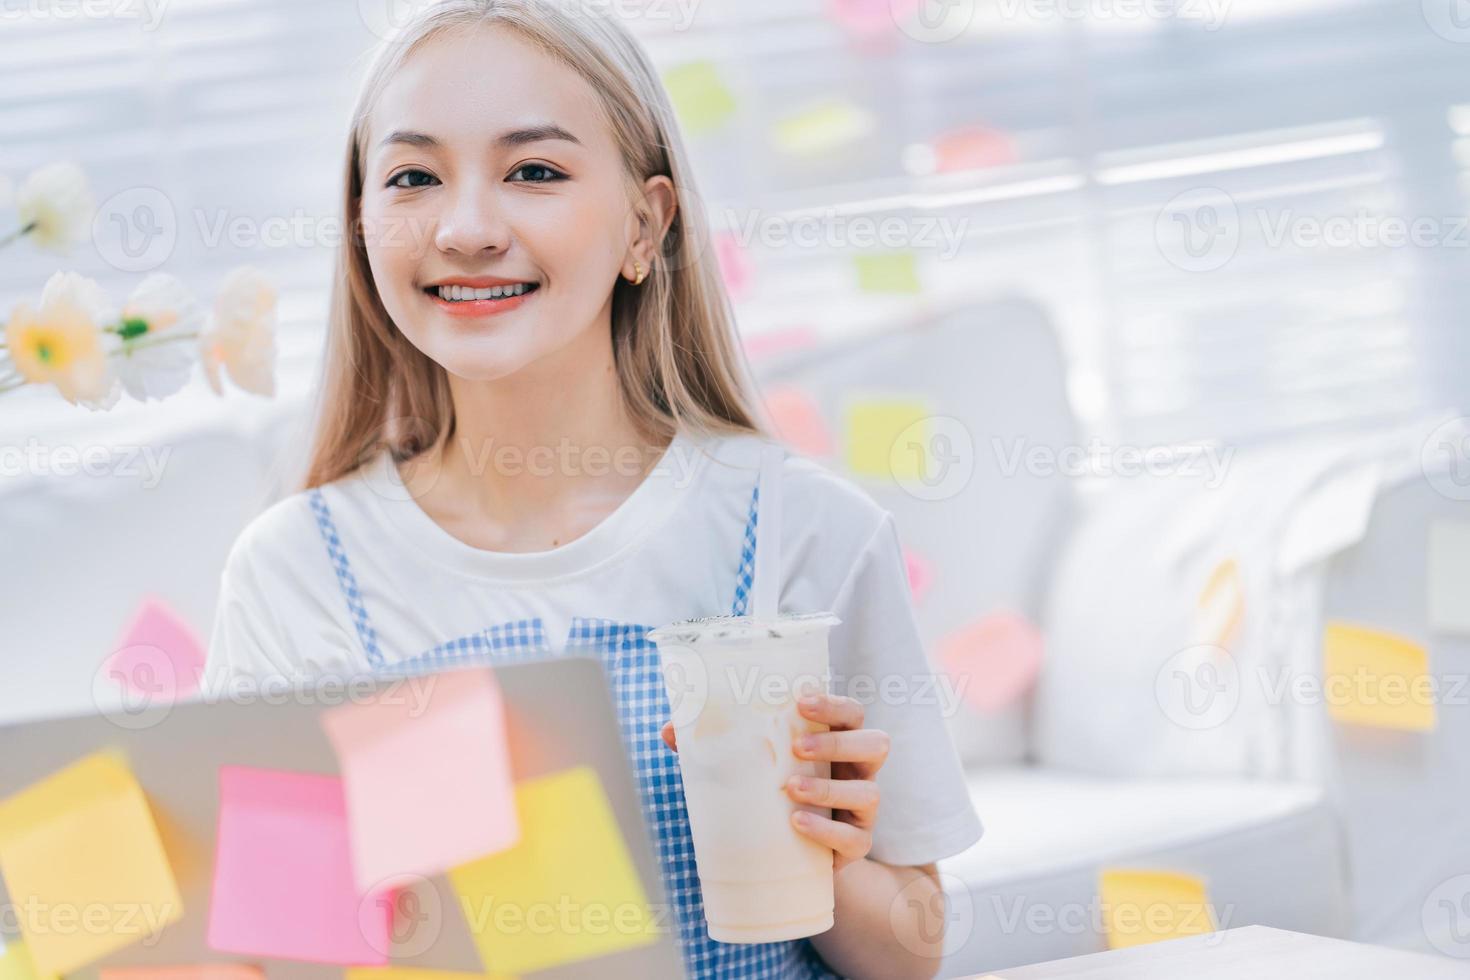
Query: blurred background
pixel 1146 318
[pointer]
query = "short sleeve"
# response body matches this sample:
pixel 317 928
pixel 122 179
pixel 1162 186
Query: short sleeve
pixel 878 658
pixel 246 639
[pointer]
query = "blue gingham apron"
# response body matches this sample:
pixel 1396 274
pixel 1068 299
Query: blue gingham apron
pixel 632 665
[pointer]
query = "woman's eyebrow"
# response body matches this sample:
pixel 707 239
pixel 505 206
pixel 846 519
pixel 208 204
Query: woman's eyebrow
pixel 511 137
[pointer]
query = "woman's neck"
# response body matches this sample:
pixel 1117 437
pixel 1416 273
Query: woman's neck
pixel 538 458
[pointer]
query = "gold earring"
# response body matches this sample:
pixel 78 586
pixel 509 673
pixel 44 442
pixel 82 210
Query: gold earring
pixel 638 273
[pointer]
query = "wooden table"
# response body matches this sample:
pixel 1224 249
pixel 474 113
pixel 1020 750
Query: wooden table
pixel 1247 953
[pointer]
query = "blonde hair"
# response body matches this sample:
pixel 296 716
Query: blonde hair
pixel 678 360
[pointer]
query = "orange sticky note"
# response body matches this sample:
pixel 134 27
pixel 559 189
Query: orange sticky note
pixel 428 784
pixel 920 574
pixel 202 971
pixel 869 17
pixel 782 341
pixel 797 419
pixel 993 661
pixel 1147 906
pixel 888 438
pixel 16 964
pixel 159 656
pixel 566 892
pixel 1221 605
pixel 1374 678
pixel 84 839
pixel 735 264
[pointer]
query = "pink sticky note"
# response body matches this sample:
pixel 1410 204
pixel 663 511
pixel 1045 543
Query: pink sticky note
pixel 427 778
pixel 993 661
pixel 283 882
pixel 735 264
pixel 774 342
pixel 159 656
pixel 798 420
pixel 920 572
pixel 869 17
pixel 972 148
pixel 204 971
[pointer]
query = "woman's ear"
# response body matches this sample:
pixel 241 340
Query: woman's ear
pixel 660 203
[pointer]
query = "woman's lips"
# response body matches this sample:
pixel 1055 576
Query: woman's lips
pixel 480 307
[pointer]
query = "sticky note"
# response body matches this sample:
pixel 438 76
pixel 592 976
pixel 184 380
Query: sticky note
pixel 1375 678
pixel 782 341
pixel 1147 906
pixel 888 438
pixel 869 17
pixel 735 264
pixel 84 839
pixel 964 148
pixel 566 892
pixel 994 660
pixel 408 973
pixel 428 785
pixel 701 98
pixel 823 128
pixel 159 657
pixel 920 574
pixel 1449 577
pixel 888 272
pixel 797 419
pixel 203 971
pixel 1221 606
pixel 283 884
pixel 16 964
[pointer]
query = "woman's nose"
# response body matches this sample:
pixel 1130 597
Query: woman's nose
pixel 472 223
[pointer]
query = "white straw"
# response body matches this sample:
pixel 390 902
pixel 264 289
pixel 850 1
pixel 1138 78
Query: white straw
pixel 768 536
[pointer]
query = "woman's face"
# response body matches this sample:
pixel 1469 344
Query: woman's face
pixel 489 166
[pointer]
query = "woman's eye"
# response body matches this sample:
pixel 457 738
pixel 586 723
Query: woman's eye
pixel 543 174
pixel 397 180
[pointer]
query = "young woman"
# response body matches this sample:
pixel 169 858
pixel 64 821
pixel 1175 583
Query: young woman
pixel 536 437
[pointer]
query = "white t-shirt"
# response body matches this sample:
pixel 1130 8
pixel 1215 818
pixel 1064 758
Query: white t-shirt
pixel 672 550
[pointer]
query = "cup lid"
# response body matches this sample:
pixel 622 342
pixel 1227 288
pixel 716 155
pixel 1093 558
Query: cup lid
pixel 742 627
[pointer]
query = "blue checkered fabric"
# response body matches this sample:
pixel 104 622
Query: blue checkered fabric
pixel 632 665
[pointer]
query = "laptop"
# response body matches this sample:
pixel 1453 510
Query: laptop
pixel 559 714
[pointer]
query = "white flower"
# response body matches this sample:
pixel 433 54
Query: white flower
pixel 57 201
pixel 241 335
pixel 150 363
pixel 62 341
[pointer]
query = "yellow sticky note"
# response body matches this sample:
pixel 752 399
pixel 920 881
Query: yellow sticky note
pixel 1375 678
pixel 1146 906
pixel 888 438
pixel 1221 605
pixel 567 892
pixel 823 128
pixel 16 964
pixel 406 973
pixel 888 272
pixel 82 844
pixel 700 96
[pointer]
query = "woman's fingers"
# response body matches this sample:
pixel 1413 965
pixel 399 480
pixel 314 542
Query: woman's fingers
pixel 667 734
pixel 866 748
pixel 832 710
pixel 848 842
pixel 860 796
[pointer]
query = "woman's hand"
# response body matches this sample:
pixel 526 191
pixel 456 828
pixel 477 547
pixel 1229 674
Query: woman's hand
pixel 856 754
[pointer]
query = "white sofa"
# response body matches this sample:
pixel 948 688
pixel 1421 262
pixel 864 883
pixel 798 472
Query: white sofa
pixel 1290 821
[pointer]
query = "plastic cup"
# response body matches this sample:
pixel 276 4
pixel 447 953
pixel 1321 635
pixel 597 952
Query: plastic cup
pixel 733 684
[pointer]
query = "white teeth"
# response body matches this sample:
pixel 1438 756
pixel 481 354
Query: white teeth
pixel 459 294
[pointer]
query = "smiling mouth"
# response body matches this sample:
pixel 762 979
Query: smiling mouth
pixel 464 294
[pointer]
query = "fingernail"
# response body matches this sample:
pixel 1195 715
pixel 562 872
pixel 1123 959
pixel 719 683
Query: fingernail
pixel 809 701
pixel 803 818
pixel 806 743
pixel 801 783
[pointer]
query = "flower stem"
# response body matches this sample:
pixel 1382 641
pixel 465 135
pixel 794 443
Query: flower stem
pixel 17 234
pixel 157 341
